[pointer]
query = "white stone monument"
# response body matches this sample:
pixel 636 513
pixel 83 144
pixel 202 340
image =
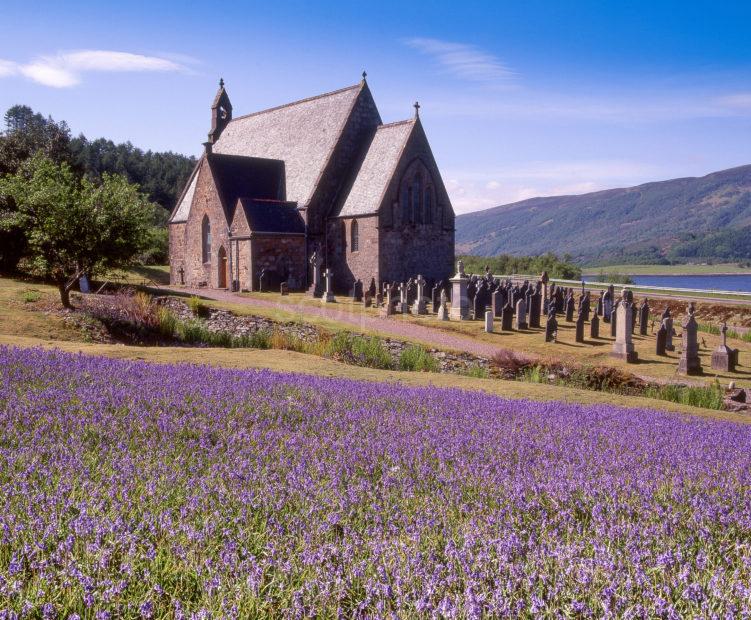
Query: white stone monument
pixel 459 300
pixel 443 311
pixel 403 305
pixel 420 306
pixel 623 347
pixel 489 321
pixel 328 295
pixel 521 315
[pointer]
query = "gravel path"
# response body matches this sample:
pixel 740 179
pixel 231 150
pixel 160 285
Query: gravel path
pixel 394 327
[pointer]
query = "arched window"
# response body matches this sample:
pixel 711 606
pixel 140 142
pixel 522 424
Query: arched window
pixel 355 237
pixel 206 239
pixel 428 205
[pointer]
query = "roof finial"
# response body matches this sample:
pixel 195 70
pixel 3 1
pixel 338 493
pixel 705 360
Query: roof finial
pixel 221 82
pixel 417 109
pixel 364 75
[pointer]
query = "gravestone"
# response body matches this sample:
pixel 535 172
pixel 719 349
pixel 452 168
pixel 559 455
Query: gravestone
pixel 613 319
pixel 723 357
pixel 316 260
pixel 443 311
pixel 579 328
pixel 598 309
pixel 668 322
pixel 507 317
pixel 459 300
pixel 357 291
pixel 478 303
pixel 328 295
pixel 594 326
pixel 372 289
pixel 367 299
pixel 534 310
pixel 403 293
pixel 388 309
pixel 569 308
pixel 489 321
pixel 643 317
pixel 689 362
pixel 379 299
pixel 497 301
pixel 585 306
pixel 607 306
pixel 551 327
pixel 283 290
pixel 623 347
pixel 435 296
pixel 661 339
pixel 521 315
pixel 544 279
pixel 420 305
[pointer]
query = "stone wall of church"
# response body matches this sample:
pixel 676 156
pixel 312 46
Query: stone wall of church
pixel 408 248
pixel 283 258
pixel 350 265
pixel 176 252
pixel 206 202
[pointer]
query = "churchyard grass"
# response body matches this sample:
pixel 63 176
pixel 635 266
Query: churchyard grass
pixel 708 397
pixel 415 358
pixel 170 490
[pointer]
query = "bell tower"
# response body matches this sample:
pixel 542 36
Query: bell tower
pixel 221 113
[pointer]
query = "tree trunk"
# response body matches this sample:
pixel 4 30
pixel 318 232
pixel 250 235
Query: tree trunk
pixel 64 295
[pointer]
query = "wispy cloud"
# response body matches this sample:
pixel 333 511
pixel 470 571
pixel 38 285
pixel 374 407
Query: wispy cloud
pixel 66 69
pixel 464 61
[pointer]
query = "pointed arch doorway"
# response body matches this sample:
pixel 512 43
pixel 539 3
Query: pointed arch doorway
pixel 222 266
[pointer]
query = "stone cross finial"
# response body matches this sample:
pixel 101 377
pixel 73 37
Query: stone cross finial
pixel 417 109
pixel 724 332
pixel 221 82
pixel 364 75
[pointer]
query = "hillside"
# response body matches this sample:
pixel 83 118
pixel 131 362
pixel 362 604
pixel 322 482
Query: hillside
pixel 707 217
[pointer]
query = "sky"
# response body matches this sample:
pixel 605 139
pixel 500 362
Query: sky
pixel 518 99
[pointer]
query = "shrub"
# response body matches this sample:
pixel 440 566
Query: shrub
pixel 511 363
pixel 31 296
pixel 197 307
pixel 359 350
pixel 535 374
pixel 167 322
pixel 416 358
pixel 476 371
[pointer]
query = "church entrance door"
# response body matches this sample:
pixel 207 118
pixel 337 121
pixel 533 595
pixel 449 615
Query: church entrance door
pixel 222 283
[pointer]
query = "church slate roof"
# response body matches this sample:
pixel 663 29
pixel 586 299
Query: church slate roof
pixel 273 216
pixel 181 212
pixel 377 169
pixel 303 134
pixel 240 177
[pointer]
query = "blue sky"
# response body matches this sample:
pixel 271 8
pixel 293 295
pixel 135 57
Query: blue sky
pixel 519 99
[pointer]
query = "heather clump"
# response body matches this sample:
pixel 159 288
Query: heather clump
pixel 175 491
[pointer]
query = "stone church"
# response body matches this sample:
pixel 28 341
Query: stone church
pixel 322 175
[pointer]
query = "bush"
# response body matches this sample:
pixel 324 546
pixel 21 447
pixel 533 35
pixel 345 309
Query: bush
pixel 197 307
pixel 476 371
pixel 32 296
pixel 359 350
pixel 416 358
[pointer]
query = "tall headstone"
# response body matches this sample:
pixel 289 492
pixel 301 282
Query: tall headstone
pixel 569 308
pixel 661 339
pixel 443 311
pixel 521 315
pixel 497 301
pixel 667 320
pixel 316 260
pixel 489 321
pixel 551 327
pixel 459 301
pixel 723 357
pixel 403 296
pixel 436 296
pixel 478 305
pixel 579 337
pixel 643 317
pixel 544 279
pixel 599 309
pixel 607 306
pixel 420 305
pixel 507 317
pixel 689 362
pixel 534 310
pixel 328 295
pixel 372 288
pixel 594 327
pixel 623 347
pixel 357 291
pixel 614 319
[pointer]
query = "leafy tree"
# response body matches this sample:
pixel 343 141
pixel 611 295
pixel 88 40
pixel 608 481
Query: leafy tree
pixel 74 227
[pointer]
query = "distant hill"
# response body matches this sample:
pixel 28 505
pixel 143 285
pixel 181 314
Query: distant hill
pixel 695 217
